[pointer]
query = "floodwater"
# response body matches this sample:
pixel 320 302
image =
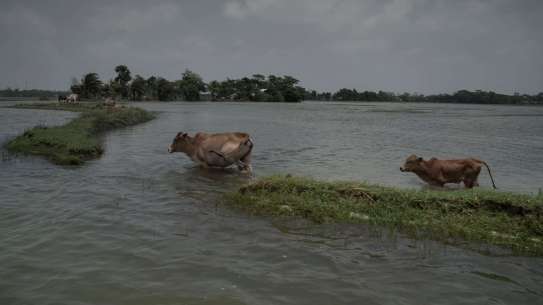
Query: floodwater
pixel 141 226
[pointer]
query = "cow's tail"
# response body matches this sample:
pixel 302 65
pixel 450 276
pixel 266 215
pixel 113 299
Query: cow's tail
pixel 490 174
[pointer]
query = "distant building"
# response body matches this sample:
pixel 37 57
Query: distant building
pixel 234 96
pixel 205 96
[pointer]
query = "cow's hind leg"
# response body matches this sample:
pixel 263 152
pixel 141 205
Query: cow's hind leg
pixel 471 178
pixel 471 181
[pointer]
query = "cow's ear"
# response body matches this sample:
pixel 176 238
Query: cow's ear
pixel 180 135
pixel 419 159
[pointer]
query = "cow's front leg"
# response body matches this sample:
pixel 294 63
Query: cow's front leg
pixel 244 167
pixel 435 182
pixel 244 164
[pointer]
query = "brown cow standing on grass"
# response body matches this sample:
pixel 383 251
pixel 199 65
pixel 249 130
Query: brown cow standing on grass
pixel 216 150
pixel 438 172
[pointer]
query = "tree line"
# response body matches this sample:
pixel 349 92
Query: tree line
pixel 30 93
pixel 190 87
pixel 461 96
pixel 257 88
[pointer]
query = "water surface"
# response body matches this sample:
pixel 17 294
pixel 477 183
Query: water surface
pixel 141 226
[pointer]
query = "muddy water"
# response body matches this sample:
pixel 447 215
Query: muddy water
pixel 141 226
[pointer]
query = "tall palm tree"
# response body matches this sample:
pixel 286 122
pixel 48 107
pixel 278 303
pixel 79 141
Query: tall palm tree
pixel 91 85
pixel 122 78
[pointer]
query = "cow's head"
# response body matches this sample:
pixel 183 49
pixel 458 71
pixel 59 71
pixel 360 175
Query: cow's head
pixel 180 143
pixel 412 164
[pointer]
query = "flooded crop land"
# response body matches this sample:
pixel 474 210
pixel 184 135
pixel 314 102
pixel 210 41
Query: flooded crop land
pixel 142 226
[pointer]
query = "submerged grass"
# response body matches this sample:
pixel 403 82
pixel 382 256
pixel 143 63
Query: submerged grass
pixel 77 141
pixel 514 221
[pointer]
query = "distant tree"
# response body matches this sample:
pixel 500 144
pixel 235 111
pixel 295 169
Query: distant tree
pixel 246 89
pixel 276 96
pixel 91 86
pixel 32 93
pixel 259 77
pixel 214 88
pixel 405 97
pixel 137 88
pixel 108 89
pixel 122 78
pixel 259 81
pixel 289 81
pixel 151 88
pixel 76 87
pixel 165 90
pixel 292 95
pixel 258 87
pixel 310 95
pixel 190 86
pixel 345 94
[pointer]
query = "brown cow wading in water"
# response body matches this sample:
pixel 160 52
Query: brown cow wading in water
pixel 216 150
pixel 438 172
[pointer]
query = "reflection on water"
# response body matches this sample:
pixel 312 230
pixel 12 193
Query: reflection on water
pixel 143 226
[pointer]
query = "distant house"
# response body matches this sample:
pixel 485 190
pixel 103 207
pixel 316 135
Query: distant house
pixel 205 96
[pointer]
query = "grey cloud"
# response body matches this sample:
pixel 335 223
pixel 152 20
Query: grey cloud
pixel 399 45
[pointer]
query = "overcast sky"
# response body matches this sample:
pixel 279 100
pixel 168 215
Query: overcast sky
pixel 395 45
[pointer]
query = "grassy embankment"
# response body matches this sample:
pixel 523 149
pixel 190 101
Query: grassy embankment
pixel 76 141
pixel 508 220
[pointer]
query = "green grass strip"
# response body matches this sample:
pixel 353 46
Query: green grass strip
pixel 77 141
pixel 513 221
